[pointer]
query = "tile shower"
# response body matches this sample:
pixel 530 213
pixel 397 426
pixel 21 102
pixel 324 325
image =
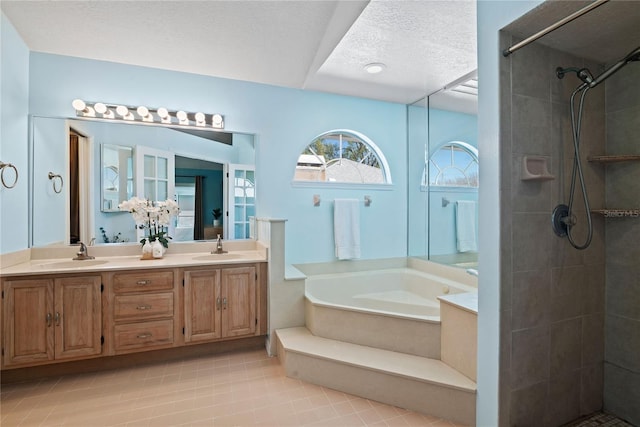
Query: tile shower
pixel 570 322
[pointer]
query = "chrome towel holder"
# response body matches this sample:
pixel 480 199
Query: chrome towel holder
pixel 3 167
pixel 53 176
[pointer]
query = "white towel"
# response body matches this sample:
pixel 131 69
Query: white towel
pixel 346 228
pixel 466 226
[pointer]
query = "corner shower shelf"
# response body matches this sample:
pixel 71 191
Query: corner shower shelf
pixel 617 213
pixel 614 158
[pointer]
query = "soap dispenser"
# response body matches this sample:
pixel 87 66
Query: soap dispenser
pixel 147 250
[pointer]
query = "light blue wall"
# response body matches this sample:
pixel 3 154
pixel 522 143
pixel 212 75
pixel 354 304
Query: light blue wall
pixel 284 121
pixel 14 109
pixel 418 205
pixel 492 16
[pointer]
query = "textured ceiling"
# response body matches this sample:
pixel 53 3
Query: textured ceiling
pixel 317 45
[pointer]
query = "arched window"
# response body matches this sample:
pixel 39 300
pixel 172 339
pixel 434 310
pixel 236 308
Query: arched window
pixel 342 156
pixel 454 164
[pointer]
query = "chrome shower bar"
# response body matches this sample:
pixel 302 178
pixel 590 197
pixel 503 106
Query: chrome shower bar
pixel 553 27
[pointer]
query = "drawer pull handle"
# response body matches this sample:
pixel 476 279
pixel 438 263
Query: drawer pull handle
pixel 48 318
pixel 57 318
pixel 224 303
pixel 145 335
pixel 143 307
pixel 143 282
pixel 218 303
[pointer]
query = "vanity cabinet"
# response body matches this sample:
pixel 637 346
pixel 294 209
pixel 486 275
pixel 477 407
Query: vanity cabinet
pixel 220 303
pixel 142 310
pixel 48 318
pixel 51 318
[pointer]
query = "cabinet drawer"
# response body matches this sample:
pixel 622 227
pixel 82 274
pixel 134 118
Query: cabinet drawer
pixel 143 281
pixel 143 306
pixel 142 335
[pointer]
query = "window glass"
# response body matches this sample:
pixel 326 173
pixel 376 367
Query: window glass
pixel 342 156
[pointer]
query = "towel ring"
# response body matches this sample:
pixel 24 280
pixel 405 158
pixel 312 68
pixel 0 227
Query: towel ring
pixel 3 167
pixel 52 177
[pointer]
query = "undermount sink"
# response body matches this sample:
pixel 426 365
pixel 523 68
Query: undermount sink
pixel 221 257
pixel 73 264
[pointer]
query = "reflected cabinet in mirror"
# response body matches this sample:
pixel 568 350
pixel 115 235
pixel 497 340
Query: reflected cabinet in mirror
pixel 103 164
pixel 443 178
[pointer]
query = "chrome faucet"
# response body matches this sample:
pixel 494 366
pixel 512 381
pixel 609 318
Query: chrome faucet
pixel 82 253
pixel 219 247
pixel 472 271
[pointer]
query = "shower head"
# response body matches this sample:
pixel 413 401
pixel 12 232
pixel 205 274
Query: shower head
pixel 582 73
pixel 634 55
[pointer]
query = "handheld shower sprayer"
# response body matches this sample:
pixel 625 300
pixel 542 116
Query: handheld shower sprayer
pixel 634 55
pixel 563 218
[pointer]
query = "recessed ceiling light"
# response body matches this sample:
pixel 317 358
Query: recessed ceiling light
pixel 374 68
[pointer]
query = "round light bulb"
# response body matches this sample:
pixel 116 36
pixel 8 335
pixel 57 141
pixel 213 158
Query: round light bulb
pixel 122 110
pixel 79 104
pixel 100 108
pixel 163 113
pixel 143 111
pixel 181 115
pixel 200 117
pixel 216 120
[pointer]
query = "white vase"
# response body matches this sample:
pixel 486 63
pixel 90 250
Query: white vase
pixel 216 223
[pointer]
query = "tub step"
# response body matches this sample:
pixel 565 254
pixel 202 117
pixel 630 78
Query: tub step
pixel 404 335
pixel 407 381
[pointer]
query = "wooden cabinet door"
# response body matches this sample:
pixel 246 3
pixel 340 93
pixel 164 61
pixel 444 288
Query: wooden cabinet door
pixel 77 317
pixel 202 305
pixel 28 321
pixel 239 301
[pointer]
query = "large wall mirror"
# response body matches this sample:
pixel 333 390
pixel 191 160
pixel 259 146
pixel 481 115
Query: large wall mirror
pixel 100 164
pixel 443 175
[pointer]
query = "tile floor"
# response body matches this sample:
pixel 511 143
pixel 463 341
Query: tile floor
pixel 234 389
pixel 599 419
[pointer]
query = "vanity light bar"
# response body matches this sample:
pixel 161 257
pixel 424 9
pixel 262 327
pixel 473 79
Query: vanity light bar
pixel 101 110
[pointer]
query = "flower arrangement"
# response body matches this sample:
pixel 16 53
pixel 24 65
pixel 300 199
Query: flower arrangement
pixel 153 216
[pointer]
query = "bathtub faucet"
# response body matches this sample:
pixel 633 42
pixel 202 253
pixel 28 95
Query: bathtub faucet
pixel 472 271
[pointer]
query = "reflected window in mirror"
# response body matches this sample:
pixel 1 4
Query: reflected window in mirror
pixel 454 164
pixel 342 156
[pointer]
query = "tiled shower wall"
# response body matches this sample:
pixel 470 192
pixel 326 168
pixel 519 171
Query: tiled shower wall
pixel 622 322
pixel 552 295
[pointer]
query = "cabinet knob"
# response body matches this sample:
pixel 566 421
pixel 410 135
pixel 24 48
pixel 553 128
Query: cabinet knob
pixel 57 318
pixel 224 303
pixel 48 319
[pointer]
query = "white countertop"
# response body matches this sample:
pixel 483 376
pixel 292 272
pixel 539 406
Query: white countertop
pixel 131 262
pixel 467 301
